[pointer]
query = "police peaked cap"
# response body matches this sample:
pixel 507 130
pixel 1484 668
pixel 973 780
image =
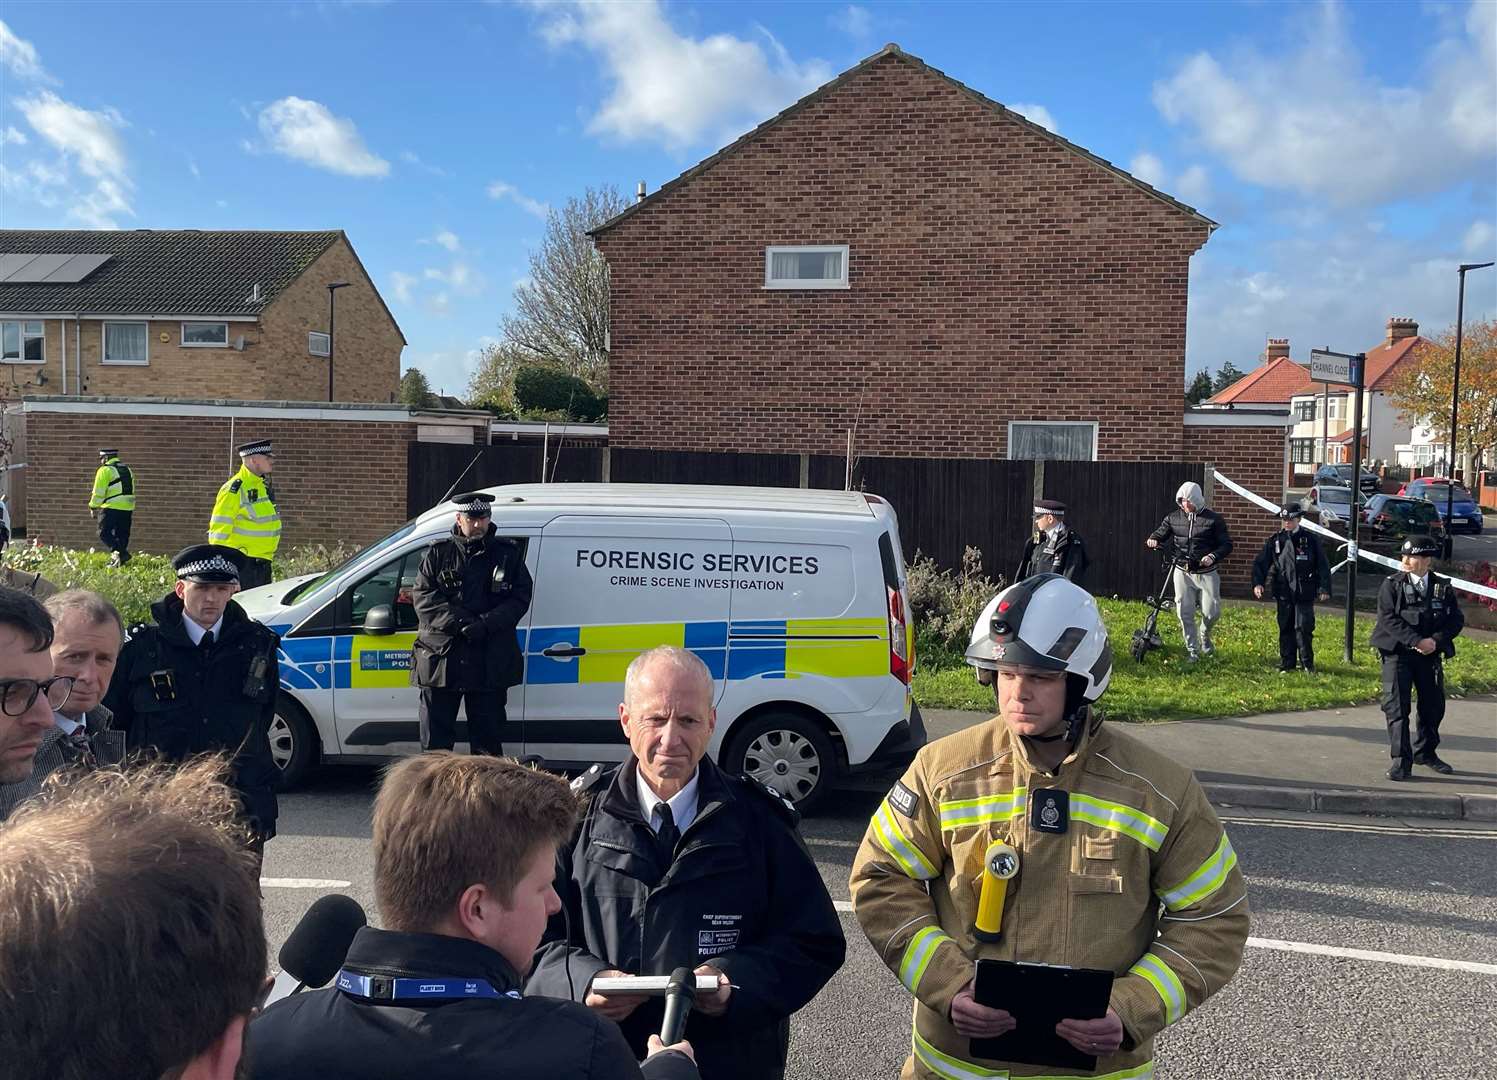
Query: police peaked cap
pixel 474 503
pixel 1049 506
pixel 1291 510
pixel 107 451
pixel 256 446
pixel 1421 545
pixel 207 564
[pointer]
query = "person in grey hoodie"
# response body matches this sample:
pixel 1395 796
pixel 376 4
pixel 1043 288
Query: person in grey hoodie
pixel 1200 542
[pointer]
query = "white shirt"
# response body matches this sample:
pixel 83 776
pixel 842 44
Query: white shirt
pixel 66 723
pixel 683 803
pixel 196 632
pixel 1056 531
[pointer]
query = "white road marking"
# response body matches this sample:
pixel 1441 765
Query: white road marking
pixel 1347 826
pixel 303 883
pixel 1401 959
pixel 829 842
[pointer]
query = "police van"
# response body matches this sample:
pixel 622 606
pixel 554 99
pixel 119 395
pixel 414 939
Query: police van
pixel 795 599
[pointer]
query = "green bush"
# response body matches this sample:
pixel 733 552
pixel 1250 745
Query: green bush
pixel 945 604
pixel 551 393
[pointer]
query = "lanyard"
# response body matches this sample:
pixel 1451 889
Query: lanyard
pixel 389 988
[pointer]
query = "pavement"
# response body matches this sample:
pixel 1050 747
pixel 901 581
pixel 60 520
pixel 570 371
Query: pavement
pixel 1326 760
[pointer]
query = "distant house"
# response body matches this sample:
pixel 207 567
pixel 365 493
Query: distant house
pixel 191 314
pixel 1275 381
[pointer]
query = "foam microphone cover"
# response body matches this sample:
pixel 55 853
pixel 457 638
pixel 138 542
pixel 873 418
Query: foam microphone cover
pixel 317 947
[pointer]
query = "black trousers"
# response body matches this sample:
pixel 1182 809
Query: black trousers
pixel 1404 672
pixel 1296 633
pixel 114 531
pixel 256 572
pixel 485 712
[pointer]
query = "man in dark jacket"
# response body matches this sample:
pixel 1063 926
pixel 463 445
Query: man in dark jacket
pixel 1417 622
pixel 471 593
pixel 202 678
pixel 1292 567
pixel 679 865
pixel 1199 542
pixel 1054 547
pixel 464 849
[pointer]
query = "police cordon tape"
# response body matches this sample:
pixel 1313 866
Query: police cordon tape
pixel 1352 550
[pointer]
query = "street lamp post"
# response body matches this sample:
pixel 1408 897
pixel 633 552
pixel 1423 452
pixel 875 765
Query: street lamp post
pixel 1455 403
pixel 332 297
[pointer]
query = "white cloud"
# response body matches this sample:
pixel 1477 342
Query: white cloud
pixel 1193 186
pixel 88 140
pixel 672 89
pixel 448 239
pixel 402 286
pixel 854 21
pixel 1148 168
pixel 1037 114
pixel 21 57
pixel 459 276
pixel 307 131
pixel 192 167
pixel 1478 240
pixel 1317 122
pixel 500 190
pixel 11 137
pixel 410 157
pixel 438 304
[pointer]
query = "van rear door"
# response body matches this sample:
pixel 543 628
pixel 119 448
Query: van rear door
pixel 606 590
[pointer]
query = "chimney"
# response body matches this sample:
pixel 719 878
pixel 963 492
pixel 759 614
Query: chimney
pixel 1400 327
pixel 639 192
pixel 1277 347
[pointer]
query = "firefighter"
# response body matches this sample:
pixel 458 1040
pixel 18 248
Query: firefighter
pixel 1054 547
pixel 245 516
pixel 1121 863
pixel 1292 568
pixel 113 504
pixel 1417 622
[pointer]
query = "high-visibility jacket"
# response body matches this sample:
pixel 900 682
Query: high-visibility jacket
pixel 245 516
pixel 114 487
pixel 1143 882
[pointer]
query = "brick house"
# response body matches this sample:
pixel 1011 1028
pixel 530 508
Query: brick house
pixel 899 257
pixel 186 313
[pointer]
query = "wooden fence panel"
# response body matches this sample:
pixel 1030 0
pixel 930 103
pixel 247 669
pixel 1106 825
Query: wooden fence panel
pixel 683 467
pixel 431 468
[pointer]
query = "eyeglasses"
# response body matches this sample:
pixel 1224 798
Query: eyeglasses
pixel 18 695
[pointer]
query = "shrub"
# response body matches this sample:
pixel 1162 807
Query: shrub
pixel 552 393
pixel 945 604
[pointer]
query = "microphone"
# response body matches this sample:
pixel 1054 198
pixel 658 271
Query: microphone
pixel 317 947
pixel 1000 862
pixel 680 992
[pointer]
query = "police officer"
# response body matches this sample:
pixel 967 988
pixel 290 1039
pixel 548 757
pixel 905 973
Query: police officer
pixel 1115 860
pixel 677 864
pixel 470 594
pixel 113 501
pixel 245 516
pixel 1417 621
pixel 201 677
pixel 1292 568
pixel 1054 547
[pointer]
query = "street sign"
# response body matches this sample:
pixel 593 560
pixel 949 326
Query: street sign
pixel 1334 367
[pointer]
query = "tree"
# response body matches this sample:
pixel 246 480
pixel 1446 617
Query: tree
pixel 1422 387
pixel 561 311
pixel 1200 388
pixel 543 392
pixel 1226 375
pixel 492 384
pixel 415 391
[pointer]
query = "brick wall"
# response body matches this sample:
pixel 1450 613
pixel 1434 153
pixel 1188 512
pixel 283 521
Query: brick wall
pixel 274 364
pixel 994 274
pixel 334 479
pixel 1254 458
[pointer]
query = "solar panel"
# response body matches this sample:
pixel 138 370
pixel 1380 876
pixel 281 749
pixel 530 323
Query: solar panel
pixel 49 268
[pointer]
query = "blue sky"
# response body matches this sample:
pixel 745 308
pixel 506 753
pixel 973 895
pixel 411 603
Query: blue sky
pixel 1349 150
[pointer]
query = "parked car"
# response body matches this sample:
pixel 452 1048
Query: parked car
pixel 1464 513
pixel 1391 519
pixel 1330 503
pixel 1329 475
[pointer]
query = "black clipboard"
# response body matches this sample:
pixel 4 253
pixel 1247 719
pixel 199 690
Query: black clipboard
pixel 1039 996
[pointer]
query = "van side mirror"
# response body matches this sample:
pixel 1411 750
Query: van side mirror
pixel 380 620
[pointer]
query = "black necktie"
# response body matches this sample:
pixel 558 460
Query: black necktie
pixel 667 835
pixel 207 642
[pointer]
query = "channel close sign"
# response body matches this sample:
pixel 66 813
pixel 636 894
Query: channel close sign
pixel 1334 367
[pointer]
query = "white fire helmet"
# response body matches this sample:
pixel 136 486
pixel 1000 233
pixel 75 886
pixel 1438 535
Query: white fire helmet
pixel 1044 623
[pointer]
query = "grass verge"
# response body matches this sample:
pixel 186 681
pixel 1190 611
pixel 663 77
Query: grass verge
pixel 1240 680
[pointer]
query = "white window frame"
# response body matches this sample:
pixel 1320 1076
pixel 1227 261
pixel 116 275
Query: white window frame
pixel 182 335
pixel 104 343
pixel 327 347
pixel 20 357
pixel 770 282
pixel 1093 424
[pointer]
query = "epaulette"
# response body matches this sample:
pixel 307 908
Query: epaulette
pixel 234 485
pixel 588 782
pixel 138 629
pixel 783 806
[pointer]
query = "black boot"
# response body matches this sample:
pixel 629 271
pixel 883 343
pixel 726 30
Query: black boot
pixel 1433 761
pixel 1399 770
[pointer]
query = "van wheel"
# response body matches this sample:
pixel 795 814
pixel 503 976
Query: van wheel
pixel 293 742
pixel 787 752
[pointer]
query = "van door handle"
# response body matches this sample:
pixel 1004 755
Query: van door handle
pixel 563 651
